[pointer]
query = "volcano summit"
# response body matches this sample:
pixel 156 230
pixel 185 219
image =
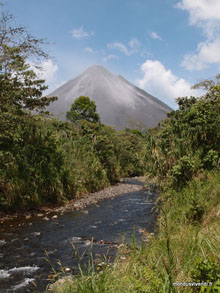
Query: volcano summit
pixel 119 103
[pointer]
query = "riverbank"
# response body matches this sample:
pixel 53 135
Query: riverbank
pixel 186 249
pixel 46 247
pixel 123 187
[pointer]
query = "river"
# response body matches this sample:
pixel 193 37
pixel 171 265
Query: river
pixel 31 248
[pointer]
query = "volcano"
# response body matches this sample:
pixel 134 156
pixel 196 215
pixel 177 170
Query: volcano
pixel 119 103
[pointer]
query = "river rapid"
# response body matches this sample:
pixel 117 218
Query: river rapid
pixel 33 249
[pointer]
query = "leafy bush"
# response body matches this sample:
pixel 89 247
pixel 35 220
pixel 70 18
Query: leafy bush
pixel 206 270
pixel 183 172
pixel 210 161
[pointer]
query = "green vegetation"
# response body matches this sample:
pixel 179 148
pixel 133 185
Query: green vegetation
pixel 182 158
pixel 83 109
pixel 187 142
pixel 43 160
pixel 47 161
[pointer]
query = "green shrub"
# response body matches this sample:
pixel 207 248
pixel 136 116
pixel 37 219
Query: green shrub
pixel 210 161
pixel 206 270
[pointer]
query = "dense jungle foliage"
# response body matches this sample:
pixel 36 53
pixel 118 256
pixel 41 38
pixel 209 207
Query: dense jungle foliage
pixel 188 141
pixel 47 161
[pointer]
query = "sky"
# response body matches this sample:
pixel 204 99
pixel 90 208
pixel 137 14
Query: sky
pixel 161 46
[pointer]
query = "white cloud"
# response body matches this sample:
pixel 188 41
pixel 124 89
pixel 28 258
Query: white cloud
pixel 155 36
pixel 119 46
pixel 145 53
pixel 134 43
pixel 207 53
pixel 132 47
pixel 162 83
pixel 79 33
pixel 48 71
pixel 204 14
pixel 88 49
pixel 201 10
pixel 109 57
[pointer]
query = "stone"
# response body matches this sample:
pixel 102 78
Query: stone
pixel 58 285
pixel 67 270
pixel 142 231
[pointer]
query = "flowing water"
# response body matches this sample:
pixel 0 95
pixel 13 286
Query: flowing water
pixel 30 249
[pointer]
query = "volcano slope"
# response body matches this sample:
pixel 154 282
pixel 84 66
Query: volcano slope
pixel 119 103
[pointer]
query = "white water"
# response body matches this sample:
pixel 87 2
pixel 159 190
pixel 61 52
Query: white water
pixel 7 273
pixel 2 242
pixel 23 284
pixel 4 274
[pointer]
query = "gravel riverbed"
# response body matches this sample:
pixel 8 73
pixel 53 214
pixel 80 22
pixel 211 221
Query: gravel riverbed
pixel 127 185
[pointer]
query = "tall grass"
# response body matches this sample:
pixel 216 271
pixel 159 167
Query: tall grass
pixel 185 249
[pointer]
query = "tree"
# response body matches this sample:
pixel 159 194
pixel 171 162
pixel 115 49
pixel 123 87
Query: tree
pixel 188 140
pixel 20 87
pixel 211 87
pixel 15 36
pixel 83 109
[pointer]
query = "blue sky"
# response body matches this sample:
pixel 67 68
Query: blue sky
pixel 162 46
